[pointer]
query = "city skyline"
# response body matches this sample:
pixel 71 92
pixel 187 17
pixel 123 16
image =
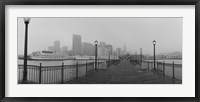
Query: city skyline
pixel 169 40
pixel 107 46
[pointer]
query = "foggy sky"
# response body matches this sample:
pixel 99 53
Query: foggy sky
pixel 134 33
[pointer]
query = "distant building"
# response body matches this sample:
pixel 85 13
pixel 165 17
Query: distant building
pixel 76 45
pixel 102 49
pixel 70 53
pixel 108 48
pixel 124 50
pixel 57 46
pixel 87 49
pixel 119 51
pixel 65 50
pixel 51 48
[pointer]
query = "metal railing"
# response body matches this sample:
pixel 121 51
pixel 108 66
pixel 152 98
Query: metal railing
pixel 59 74
pixel 166 69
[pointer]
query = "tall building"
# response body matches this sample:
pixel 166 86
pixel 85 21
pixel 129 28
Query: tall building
pixel 51 48
pixel 99 51
pixel 102 49
pixel 76 45
pixel 87 49
pixel 124 50
pixel 57 46
pixel 65 50
pixel 119 51
pixel 109 48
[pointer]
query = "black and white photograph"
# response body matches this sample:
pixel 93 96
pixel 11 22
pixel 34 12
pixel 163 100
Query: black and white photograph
pixel 99 50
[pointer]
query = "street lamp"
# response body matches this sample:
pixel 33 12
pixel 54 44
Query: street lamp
pixel 140 56
pixel 154 51
pixel 136 57
pixel 26 22
pixel 95 42
pixel 114 55
pixel 109 57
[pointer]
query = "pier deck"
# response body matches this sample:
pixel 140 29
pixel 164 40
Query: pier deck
pixel 124 73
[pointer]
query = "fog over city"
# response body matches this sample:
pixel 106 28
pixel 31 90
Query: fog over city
pixel 134 33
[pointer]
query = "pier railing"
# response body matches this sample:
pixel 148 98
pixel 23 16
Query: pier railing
pixel 166 69
pixel 59 74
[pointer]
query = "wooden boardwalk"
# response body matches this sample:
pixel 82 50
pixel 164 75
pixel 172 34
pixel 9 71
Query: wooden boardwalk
pixel 124 73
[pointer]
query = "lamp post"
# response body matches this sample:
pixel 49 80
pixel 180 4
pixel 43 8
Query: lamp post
pixel 136 57
pixel 140 56
pixel 113 55
pixel 109 57
pixel 154 56
pixel 26 21
pixel 95 42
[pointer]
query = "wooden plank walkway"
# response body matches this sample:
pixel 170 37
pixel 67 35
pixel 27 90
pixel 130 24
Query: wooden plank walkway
pixel 124 73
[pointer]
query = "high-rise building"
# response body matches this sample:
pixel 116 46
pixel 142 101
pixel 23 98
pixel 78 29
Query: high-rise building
pixel 119 51
pixel 99 51
pixel 124 50
pixel 76 45
pixel 108 48
pixel 50 48
pixel 57 46
pixel 65 50
pixel 102 49
pixel 87 49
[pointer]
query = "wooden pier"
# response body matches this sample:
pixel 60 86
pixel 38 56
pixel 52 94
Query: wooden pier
pixel 124 73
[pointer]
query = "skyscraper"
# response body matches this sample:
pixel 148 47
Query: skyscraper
pixel 57 46
pixel 87 49
pixel 124 50
pixel 65 50
pixel 76 45
pixel 102 49
pixel 108 48
pixel 51 48
pixel 119 52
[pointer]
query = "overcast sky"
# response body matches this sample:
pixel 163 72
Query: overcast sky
pixel 134 33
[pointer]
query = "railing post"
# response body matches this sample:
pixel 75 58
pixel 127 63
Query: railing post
pixel 98 64
pixel 94 65
pixel 163 67
pixel 62 72
pixel 86 68
pixel 157 66
pixel 40 69
pixel 77 70
pixel 173 70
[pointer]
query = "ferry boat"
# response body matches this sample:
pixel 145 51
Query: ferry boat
pixel 52 56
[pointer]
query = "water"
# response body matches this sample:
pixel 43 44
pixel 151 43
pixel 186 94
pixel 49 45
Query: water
pixel 54 75
pixel 53 63
pixel 170 61
pixel 73 62
pixel 168 68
